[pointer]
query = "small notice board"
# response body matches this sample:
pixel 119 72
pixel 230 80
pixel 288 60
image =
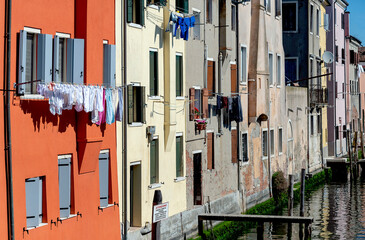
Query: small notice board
pixel 160 211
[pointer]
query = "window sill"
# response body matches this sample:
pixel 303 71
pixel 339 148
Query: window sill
pixel 32 97
pixel 136 124
pixel 310 33
pixel 264 158
pixel 179 179
pixel 243 83
pixel 278 86
pixel 154 98
pixel 153 6
pixel 290 31
pixel 277 17
pixel 268 13
pixel 40 225
pixel 280 153
pixel 154 186
pixel 271 86
pixel 107 206
pixel 180 98
pixel 71 216
pixel 135 25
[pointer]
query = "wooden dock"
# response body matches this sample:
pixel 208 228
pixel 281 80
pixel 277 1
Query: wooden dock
pixel 260 219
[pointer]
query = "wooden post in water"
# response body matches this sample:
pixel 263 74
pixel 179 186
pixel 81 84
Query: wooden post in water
pixel 308 231
pixel 348 140
pixel 302 191
pixel 291 195
pixel 260 230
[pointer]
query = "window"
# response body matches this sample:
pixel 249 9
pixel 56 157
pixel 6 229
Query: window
pixel 326 22
pixel 342 21
pixel 264 143
pixel 34 197
pixel 311 67
pixel 344 131
pixel 135 11
pixel 64 185
pixel 234 145
pixel 109 74
pixel 157 2
pixel 312 125
pixel 336 132
pixel 277 7
pixel 244 147
pixel 196 103
pixel 318 22
pixel 209 11
pixel 136 102
pixel 104 178
pixel 343 56
pixel 182 6
pixel 243 65
pixel 153 73
pixel 179 75
pixel 154 161
pixel 352 56
pixel 335 15
pixel 196 28
pixel 268 6
pixel 179 157
pixel 291 73
pixel 210 151
pixel 59 63
pixel 290 17
pixel 211 78
pixel 233 17
pixel 319 69
pixel 311 20
pixel 280 140
pixel 319 125
pixel 271 62
pixel 278 70
pixel 272 142
pixel 336 51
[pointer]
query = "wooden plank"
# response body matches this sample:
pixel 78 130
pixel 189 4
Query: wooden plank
pixel 255 218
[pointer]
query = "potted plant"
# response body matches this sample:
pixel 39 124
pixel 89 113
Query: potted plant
pixel 201 124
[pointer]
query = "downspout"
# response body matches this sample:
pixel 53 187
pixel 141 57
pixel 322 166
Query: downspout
pixel 237 83
pixel 7 135
pixel 220 61
pixel 334 74
pixel 124 128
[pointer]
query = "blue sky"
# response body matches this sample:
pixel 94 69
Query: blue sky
pixel 357 19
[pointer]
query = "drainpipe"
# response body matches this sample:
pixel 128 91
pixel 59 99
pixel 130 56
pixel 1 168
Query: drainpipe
pixel 220 61
pixel 238 84
pixel 124 128
pixel 7 130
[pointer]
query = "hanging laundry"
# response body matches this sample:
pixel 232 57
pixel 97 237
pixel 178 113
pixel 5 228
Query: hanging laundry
pixel 110 117
pixel 119 115
pixel 240 114
pixel 224 102
pixel 219 102
pixel 236 112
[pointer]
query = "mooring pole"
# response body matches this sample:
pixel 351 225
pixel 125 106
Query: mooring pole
pixel 302 191
pixel 291 195
pixel 348 140
pixel 260 231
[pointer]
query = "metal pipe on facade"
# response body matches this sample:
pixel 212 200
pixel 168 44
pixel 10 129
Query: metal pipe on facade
pixel 238 82
pixel 124 128
pixel 7 126
pixel 220 62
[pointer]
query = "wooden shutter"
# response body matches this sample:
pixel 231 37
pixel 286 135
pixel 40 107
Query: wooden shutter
pixel 210 151
pixel 234 78
pixel 22 60
pixel 205 108
pixel 192 103
pixel 143 109
pixel 186 6
pixel 178 157
pixel 234 145
pixel 75 61
pixel 56 59
pixel 44 58
pixel 64 185
pixel 104 178
pixel 210 76
pixel 130 11
pixel 130 104
pixel 32 201
pixel 109 65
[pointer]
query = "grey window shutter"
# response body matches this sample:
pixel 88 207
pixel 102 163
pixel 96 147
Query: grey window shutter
pixel 130 11
pixel 64 184
pixel 22 60
pixel 143 109
pixel 32 201
pixel 75 61
pixel 44 58
pixel 109 65
pixel 130 103
pixel 56 58
pixel 104 178
pixel 40 199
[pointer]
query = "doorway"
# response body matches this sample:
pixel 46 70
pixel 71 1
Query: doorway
pixel 197 179
pixel 135 195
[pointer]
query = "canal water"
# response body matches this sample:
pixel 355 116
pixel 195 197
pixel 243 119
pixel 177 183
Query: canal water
pixel 338 210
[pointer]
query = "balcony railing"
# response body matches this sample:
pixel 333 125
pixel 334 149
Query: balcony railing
pixel 318 95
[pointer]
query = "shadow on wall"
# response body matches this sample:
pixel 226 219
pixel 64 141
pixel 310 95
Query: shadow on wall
pixel 39 112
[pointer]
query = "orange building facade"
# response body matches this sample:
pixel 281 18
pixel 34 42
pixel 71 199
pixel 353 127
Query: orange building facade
pixel 43 143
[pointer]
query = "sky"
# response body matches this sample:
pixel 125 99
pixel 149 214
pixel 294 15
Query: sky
pixel 357 19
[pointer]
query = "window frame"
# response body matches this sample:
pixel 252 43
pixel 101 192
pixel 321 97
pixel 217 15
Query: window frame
pixel 296 66
pixel 296 16
pixel 318 21
pixel 196 29
pixel 209 11
pixel 280 140
pixel 134 22
pixel 41 207
pixel 263 146
pixel 268 6
pixel 134 108
pixel 233 17
pixel 109 187
pixel 278 70
pixel 272 142
pixel 180 135
pixel 213 150
pixel 244 67
pixel 156 181
pixel 64 37
pixel 243 158
pixel 179 55
pixel 71 187
pixel 311 20
pixel 271 69
pixel 155 81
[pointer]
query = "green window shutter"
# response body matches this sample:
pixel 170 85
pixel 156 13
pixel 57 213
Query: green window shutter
pixel 179 76
pixel 186 6
pixel 142 12
pixel 130 11
pixel 153 169
pixel 130 103
pixel 178 157
pixel 143 109
pixel 152 73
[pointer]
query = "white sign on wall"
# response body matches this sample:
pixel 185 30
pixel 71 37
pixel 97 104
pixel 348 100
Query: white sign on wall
pixel 160 212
